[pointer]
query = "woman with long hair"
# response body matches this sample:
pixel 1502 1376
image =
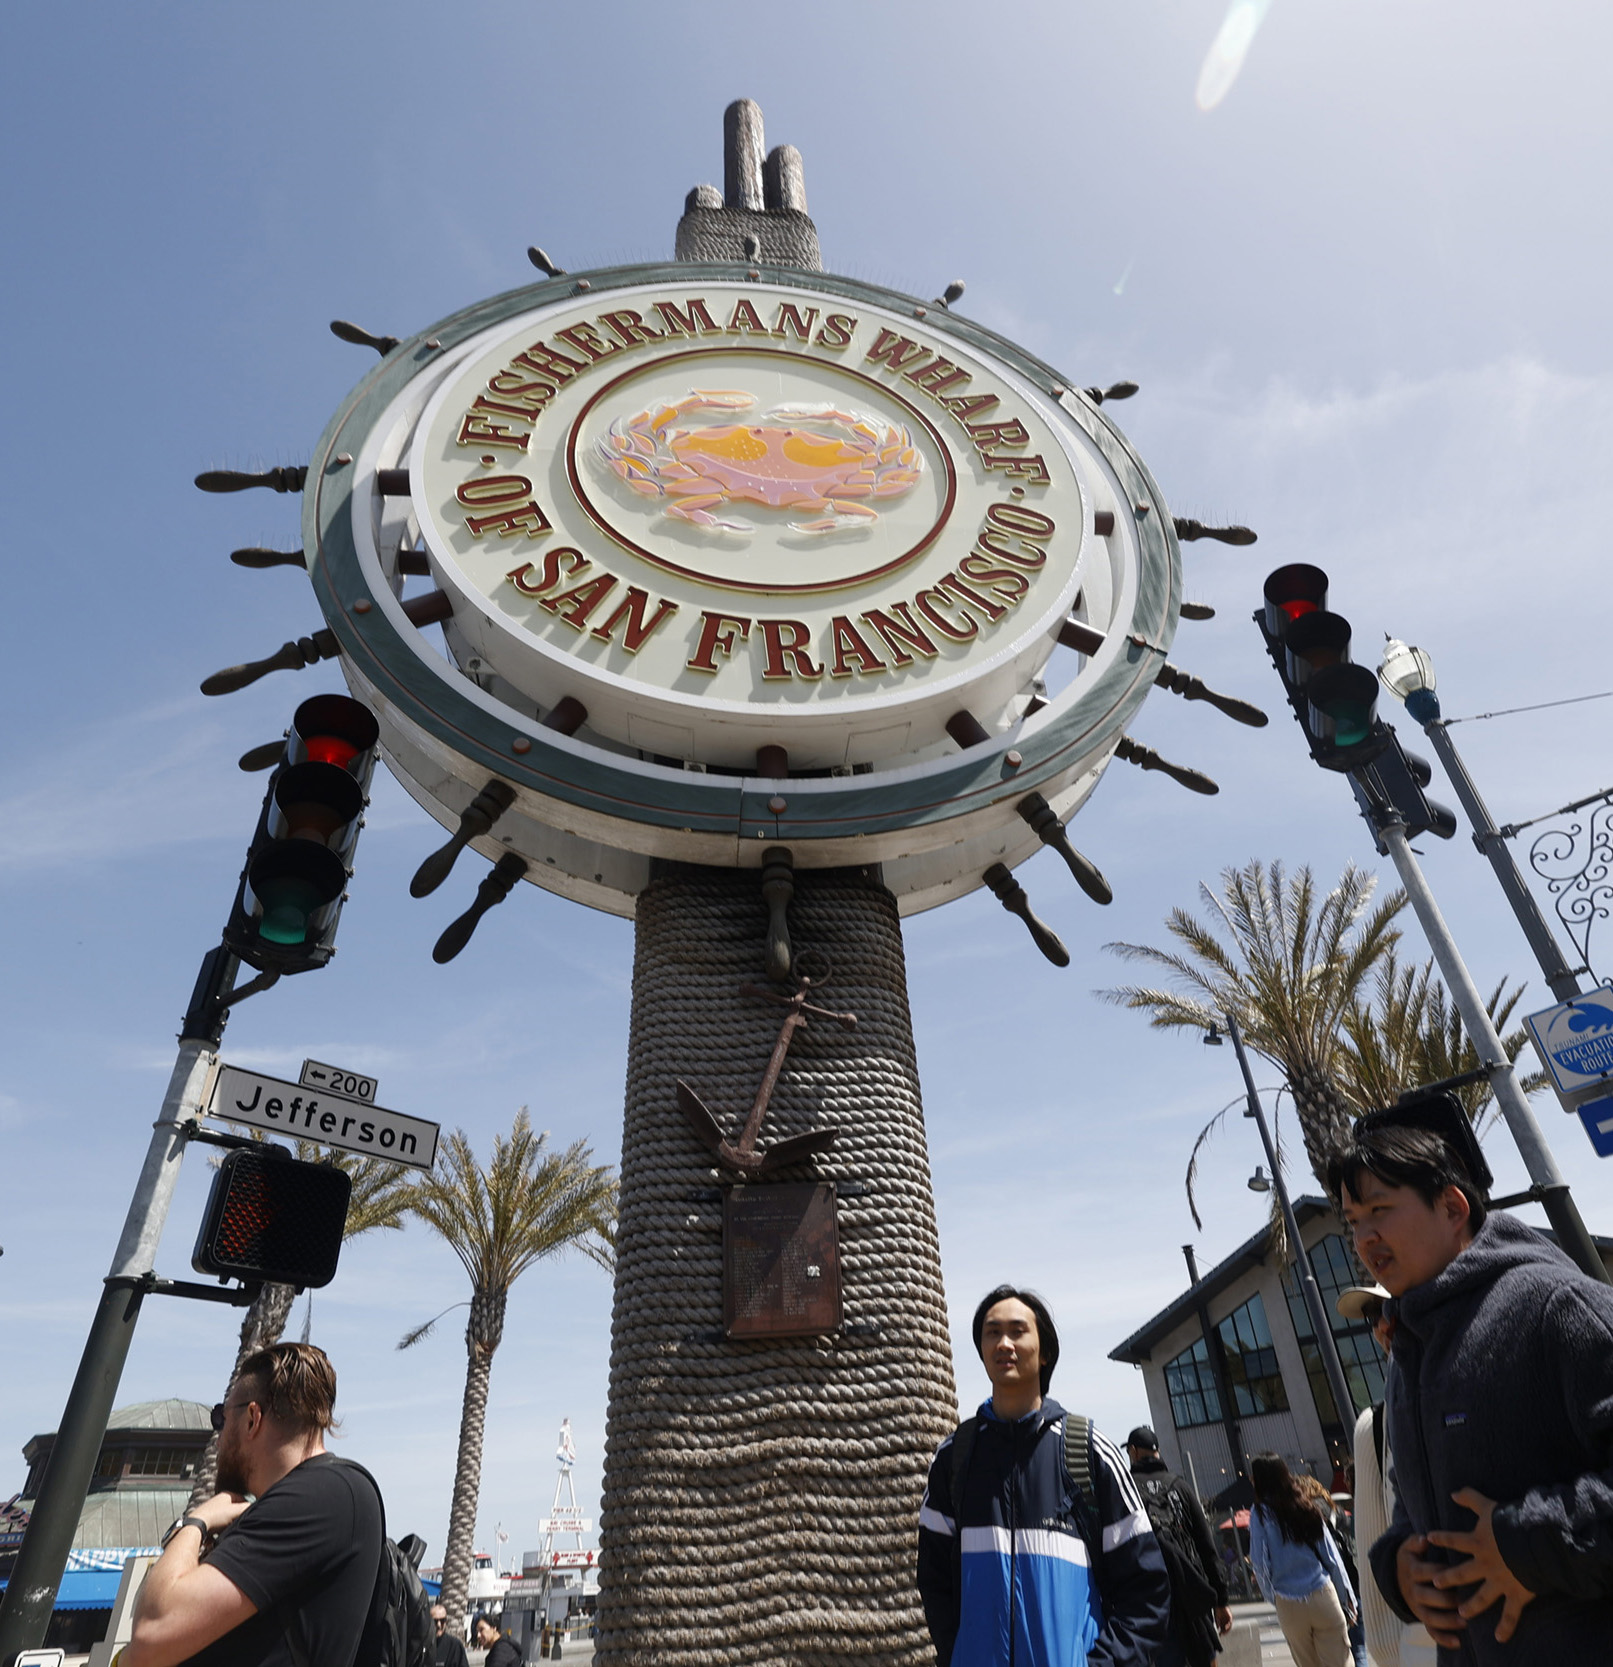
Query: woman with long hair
pixel 1299 1568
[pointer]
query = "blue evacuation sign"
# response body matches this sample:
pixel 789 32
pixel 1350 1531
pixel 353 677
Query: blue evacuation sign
pixel 1597 1116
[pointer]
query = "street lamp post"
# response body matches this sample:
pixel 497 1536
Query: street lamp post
pixel 1408 673
pixel 1343 1401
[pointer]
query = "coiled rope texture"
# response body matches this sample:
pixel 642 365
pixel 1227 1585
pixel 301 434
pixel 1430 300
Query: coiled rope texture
pixel 761 1497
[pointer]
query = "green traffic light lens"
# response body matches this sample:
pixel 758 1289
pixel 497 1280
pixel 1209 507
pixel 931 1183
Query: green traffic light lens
pixel 287 908
pixel 1352 723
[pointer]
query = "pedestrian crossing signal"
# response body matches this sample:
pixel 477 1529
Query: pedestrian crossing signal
pixel 273 1218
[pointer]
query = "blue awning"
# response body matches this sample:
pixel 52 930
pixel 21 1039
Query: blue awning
pixel 88 1589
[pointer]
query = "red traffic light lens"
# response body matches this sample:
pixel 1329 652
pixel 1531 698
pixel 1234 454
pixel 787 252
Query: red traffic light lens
pixel 1292 592
pixel 334 729
pixel 331 749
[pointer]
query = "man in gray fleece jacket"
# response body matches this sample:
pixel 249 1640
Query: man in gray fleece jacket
pixel 1499 1403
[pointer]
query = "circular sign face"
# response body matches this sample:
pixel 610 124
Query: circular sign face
pixel 722 563
pixel 729 515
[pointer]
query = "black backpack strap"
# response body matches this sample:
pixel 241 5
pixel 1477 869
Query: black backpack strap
pixel 1377 1434
pixel 959 1455
pixel 1078 1466
pixel 1078 1453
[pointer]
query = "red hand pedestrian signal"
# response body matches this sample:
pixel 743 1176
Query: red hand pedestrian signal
pixel 273 1218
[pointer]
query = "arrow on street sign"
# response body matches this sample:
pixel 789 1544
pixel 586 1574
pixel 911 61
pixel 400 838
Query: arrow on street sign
pixel 350 1085
pixel 289 1108
pixel 1597 1116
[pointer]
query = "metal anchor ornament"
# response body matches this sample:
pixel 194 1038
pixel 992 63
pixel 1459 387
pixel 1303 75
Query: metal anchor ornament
pixel 742 1155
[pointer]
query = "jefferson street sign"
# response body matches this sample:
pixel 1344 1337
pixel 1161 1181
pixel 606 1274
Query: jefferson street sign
pixel 289 1108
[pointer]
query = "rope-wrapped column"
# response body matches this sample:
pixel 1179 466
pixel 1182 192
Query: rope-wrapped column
pixel 761 1496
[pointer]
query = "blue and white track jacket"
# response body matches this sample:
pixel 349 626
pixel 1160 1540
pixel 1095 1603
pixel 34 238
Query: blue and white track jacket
pixel 1024 1591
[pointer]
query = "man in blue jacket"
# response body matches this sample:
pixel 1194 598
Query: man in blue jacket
pixel 1499 1403
pixel 1031 1552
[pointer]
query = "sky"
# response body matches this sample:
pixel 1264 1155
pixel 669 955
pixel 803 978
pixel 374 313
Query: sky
pixel 1356 263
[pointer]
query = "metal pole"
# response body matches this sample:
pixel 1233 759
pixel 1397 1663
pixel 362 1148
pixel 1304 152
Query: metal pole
pixel 1559 1205
pixel 1487 837
pixel 1218 1370
pixel 1327 1345
pixel 31 1592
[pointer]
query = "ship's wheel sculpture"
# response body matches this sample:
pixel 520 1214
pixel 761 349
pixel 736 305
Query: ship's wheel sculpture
pixel 749 579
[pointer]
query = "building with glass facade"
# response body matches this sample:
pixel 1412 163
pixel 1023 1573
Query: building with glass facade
pixel 1232 1366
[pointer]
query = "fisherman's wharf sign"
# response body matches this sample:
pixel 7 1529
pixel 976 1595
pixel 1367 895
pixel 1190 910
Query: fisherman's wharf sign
pixel 703 507
pixel 730 556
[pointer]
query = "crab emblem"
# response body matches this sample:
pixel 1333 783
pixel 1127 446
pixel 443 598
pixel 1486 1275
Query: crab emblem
pixel 829 463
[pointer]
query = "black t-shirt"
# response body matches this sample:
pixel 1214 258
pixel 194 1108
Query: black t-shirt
pixel 451 1651
pixel 308 1554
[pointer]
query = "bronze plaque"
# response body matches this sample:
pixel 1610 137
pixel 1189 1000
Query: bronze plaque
pixel 780 1261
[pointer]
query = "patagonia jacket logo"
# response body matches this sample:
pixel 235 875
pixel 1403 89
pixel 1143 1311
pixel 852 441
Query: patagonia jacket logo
pixel 1452 1419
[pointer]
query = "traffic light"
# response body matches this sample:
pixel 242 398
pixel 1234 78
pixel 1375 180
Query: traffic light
pixel 1398 778
pixel 273 1218
pixel 1336 702
pixel 294 883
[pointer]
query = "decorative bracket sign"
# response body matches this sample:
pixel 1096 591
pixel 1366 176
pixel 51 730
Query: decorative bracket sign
pixel 780 1260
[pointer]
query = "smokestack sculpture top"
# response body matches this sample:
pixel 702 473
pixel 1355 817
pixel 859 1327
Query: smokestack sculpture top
pixel 761 212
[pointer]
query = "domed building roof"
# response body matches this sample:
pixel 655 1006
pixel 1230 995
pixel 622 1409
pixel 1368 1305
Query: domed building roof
pixel 162 1415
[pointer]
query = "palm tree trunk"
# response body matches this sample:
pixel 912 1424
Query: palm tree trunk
pixel 1324 1116
pixel 265 1321
pixel 483 1333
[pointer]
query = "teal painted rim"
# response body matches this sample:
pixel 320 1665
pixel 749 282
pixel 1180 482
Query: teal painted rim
pixel 438 702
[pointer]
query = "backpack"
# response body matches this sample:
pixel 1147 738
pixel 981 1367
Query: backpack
pixel 1077 1466
pixel 399 1632
pixel 1191 1593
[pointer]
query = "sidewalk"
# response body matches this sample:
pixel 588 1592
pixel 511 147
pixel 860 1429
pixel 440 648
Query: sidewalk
pixel 1274 1650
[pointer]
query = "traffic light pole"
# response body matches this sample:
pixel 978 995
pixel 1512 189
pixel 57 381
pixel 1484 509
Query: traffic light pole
pixel 1326 1344
pixel 1547 1180
pixel 1563 980
pixel 31 1591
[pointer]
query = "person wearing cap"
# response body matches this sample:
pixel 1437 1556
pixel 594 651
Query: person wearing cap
pixel 1199 1609
pixel 1391 1642
pixel 1499 1405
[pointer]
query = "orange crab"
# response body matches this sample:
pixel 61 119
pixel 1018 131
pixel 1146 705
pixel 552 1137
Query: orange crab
pixel 825 461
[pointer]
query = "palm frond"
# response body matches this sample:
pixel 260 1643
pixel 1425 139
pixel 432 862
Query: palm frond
pixel 523 1205
pixel 421 1332
pixel 1193 1160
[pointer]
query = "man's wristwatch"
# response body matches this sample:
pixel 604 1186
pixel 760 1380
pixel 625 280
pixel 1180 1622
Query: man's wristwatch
pixel 186 1521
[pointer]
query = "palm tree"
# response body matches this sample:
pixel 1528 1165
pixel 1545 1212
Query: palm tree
pixel 380 1198
pixel 1290 966
pixel 524 1206
pixel 1411 1033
